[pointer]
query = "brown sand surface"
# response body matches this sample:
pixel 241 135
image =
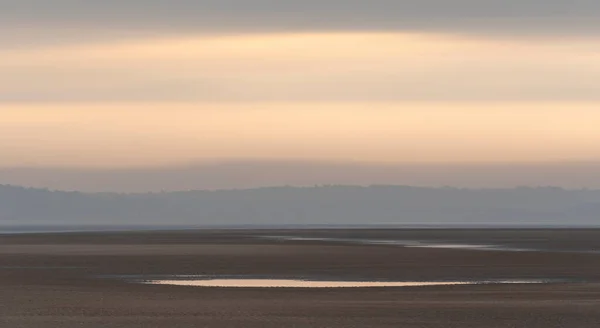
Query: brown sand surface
pixel 72 280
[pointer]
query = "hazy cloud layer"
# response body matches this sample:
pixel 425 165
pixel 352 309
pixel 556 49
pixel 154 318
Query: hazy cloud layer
pixel 305 67
pixel 143 135
pixel 472 16
pixel 122 83
pixel 159 50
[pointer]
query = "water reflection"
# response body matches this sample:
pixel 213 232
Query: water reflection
pixel 291 283
pixel 402 243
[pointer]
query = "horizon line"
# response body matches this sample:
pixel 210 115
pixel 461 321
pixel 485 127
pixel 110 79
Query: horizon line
pixel 316 186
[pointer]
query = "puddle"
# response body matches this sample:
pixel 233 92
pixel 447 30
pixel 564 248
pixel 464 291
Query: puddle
pixel 404 243
pixel 302 283
pixel 429 244
pixel 39 268
pixel 462 246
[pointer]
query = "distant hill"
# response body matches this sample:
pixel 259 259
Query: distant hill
pixel 305 205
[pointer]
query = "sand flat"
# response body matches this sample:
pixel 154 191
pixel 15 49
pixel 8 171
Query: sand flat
pixel 79 286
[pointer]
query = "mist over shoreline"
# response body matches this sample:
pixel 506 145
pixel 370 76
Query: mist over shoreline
pixel 322 205
pixel 258 174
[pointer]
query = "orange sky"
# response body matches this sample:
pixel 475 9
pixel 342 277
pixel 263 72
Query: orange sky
pixel 366 97
pixel 156 134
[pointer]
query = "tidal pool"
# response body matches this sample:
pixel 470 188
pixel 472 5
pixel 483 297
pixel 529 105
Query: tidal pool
pixel 404 243
pixel 299 283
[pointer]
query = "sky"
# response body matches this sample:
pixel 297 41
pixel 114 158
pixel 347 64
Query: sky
pixel 153 85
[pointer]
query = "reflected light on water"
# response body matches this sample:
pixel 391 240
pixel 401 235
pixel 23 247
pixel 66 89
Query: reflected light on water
pixel 280 283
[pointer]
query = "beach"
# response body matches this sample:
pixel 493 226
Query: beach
pixel 88 279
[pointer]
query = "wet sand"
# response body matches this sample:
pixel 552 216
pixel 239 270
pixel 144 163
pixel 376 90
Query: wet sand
pixel 74 279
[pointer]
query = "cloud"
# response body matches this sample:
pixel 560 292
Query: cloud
pixel 512 17
pixel 386 67
pixel 134 135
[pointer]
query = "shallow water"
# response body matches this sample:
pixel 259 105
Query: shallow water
pixel 292 283
pixel 66 228
pixel 404 243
